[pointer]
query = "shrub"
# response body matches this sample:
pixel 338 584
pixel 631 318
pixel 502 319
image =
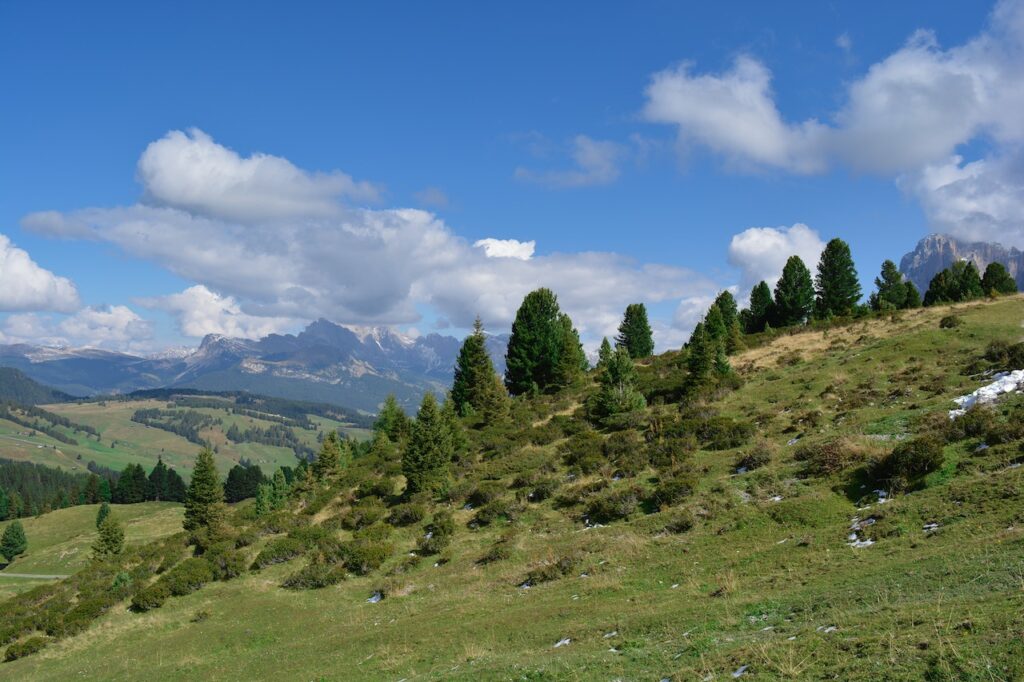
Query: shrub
pixel 438 533
pixel 582 452
pixel 577 494
pixel 626 452
pixel 675 487
pixel 225 561
pixel 485 491
pixel 364 513
pixel 723 433
pixel 542 490
pixel 245 539
pixel 500 551
pixel 678 520
pixel 613 504
pixel 365 554
pixel 668 452
pixel 406 514
pixel 188 576
pixel 315 576
pixel 758 456
pixel 376 487
pixel 974 423
pixel 553 570
pixel 911 461
pixel 824 459
pixel 25 648
pixel 151 597
pixel 950 322
pixel 278 551
pixel 494 510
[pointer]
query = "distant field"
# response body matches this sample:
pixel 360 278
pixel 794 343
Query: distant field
pixel 124 442
pixel 59 542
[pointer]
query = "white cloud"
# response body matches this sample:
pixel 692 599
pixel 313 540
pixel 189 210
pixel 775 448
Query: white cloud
pixel 597 163
pixel 432 197
pixel 506 248
pixel 188 170
pixel 352 265
pixel 200 311
pixel 978 201
pixel 913 108
pixel 844 42
pixel 110 327
pixel 761 252
pixel 26 286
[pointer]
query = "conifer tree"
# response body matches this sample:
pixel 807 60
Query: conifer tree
pixel 715 327
pixel 328 460
pixel 264 495
pixel 175 486
pixel 15 505
pixel 760 308
pixel 428 450
pixel 158 481
pixel 891 291
pixel 837 286
pixel 794 294
pixel 279 490
pixel 204 501
pixel 473 372
pixel 635 332
pixel 457 435
pixel 13 543
pixel 496 405
pixel 913 296
pixel 726 304
pixel 997 280
pixel 4 505
pixel 618 392
pixel 701 352
pixel 572 361
pixel 536 345
pixel 105 495
pixel 392 420
pixel 604 353
pixel 102 513
pixel 734 338
pixel 110 541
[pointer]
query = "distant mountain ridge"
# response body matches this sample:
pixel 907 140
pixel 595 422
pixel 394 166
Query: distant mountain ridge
pixel 326 362
pixel 18 388
pixel 936 252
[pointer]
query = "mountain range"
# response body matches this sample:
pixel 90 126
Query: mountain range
pixel 354 367
pixel 936 252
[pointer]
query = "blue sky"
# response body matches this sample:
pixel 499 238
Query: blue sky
pixel 655 134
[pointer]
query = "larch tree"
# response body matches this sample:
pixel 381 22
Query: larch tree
pixel 836 284
pixel 635 333
pixel 204 500
pixel 794 294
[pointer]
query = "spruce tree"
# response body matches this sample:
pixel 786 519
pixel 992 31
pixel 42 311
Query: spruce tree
pixel 536 344
pixel 760 308
pixel 604 353
pixel 714 326
pixel 837 286
pixel 891 291
pixel 13 542
pixel 635 332
pixel 428 450
pixel 204 501
pixel 726 304
pixel 175 486
pixel 700 355
pixel 496 405
pixel 913 296
pixel 4 505
pixel 794 294
pixel 102 513
pixel 264 495
pixel 279 490
pixel 997 280
pixel 158 481
pixel 618 392
pixel 572 361
pixel 473 372
pixel 328 461
pixel 938 289
pixel 110 541
pixel 105 494
pixel 392 420
pixel 457 435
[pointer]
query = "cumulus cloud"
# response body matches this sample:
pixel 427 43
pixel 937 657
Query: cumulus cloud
pixel 506 248
pixel 188 170
pixel 111 327
pixel 597 163
pixel 26 286
pixel 200 311
pixel 761 252
pixel 351 265
pixel 914 107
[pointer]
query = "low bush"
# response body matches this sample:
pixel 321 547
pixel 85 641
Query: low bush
pixel 678 520
pixel 151 597
pixel 376 487
pixel 759 455
pixel 578 494
pixel 278 551
pixel 366 512
pixel 406 514
pixel 494 510
pixel 314 577
pixel 626 452
pixel 366 553
pixel 484 492
pixel 583 452
pixel 225 561
pixel 552 570
pixel 437 534
pixel 950 322
pixel 542 489
pixel 675 487
pixel 829 457
pixel 911 461
pixel 24 648
pixel 501 549
pixel 974 423
pixel 613 504
pixel 188 576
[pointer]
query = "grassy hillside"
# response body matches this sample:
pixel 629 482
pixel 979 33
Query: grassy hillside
pixel 60 541
pixel 124 441
pixel 16 387
pixel 784 561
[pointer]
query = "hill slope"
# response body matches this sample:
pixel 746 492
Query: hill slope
pixel 783 561
pixel 17 387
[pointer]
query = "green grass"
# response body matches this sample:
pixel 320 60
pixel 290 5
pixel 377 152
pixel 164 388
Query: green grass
pixel 756 582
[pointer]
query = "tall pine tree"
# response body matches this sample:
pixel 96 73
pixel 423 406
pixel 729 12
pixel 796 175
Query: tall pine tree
pixel 837 286
pixel 891 291
pixel 997 280
pixel 794 294
pixel 392 420
pixel 572 361
pixel 204 501
pixel 635 332
pixel 760 311
pixel 535 348
pixel 474 373
pixel 428 450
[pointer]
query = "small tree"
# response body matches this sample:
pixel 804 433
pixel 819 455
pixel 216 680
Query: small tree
pixel 496 405
pixel 997 280
pixel 701 353
pixel 913 296
pixel 618 387
pixel 392 420
pixel 204 501
pixel 157 487
pixel 838 288
pixel 635 332
pixel 572 361
pixel 264 495
pixel 328 462
pixel 110 541
pixel 279 490
pixel 13 543
pixel 604 353
pixel 102 513
pixel 536 344
pixel 473 372
pixel 429 449
pixel 794 294
pixel 760 311
pixel 891 291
